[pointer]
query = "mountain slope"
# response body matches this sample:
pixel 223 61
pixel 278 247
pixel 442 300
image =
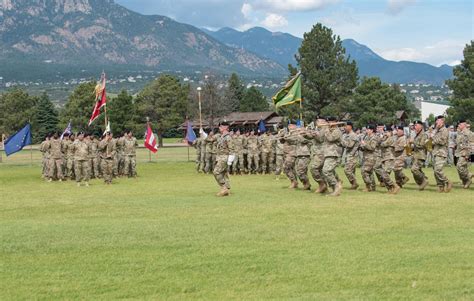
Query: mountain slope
pixel 282 47
pixel 91 32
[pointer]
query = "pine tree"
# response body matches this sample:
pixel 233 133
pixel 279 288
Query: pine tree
pixel 45 119
pixel 121 112
pixel 254 101
pixel 234 93
pixel 17 108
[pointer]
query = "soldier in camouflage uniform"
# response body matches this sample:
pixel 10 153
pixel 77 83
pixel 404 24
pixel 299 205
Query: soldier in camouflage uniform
pixel 94 157
pixel 245 152
pixel 418 143
pixel 463 152
pixel 350 141
pixel 440 152
pixel 197 146
pixel 119 159
pixel 107 149
pixel 400 157
pixel 45 162
pixel 378 163
pixel 253 153
pixel 386 158
pixel 225 158
pixel 272 155
pixel 130 151
pixel 332 140
pixel 238 164
pixel 290 140
pixel 266 148
pixel 317 153
pixel 202 160
pixel 279 160
pixel 55 167
pixel 82 160
pixel 303 154
pixel 209 152
pixel 69 152
pixel 368 145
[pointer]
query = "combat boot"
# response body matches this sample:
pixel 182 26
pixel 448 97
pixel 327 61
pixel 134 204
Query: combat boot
pixel 405 180
pixel 448 187
pixel 307 185
pixel 441 189
pixel 322 187
pixel 368 188
pixel 294 185
pixel 337 190
pixel 354 186
pixel 423 185
pixel 468 183
pixel 382 184
pixel 224 192
pixel 394 190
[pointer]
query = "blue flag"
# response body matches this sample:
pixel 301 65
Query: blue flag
pixel 68 131
pixel 18 141
pixel 190 135
pixel 261 127
pixel 298 123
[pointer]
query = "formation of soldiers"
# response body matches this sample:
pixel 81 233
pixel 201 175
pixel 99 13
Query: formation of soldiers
pixel 83 156
pixel 379 150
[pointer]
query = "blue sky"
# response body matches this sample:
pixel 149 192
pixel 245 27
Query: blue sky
pixel 430 31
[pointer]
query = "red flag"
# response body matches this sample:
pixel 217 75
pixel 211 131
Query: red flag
pixel 150 141
pixel 100 99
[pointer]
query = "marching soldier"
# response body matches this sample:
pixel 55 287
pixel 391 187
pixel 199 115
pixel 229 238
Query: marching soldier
pixel 350 141
pixel 463 152
pixel 303 154
pixel 317 153
pixel 266 148
pixel 197 146
pixel 94 157
pixel 238 165
pixel 209 151
pixel 400 158
pixel 82 160
pixel 440 139
pixel 107 154
pixel 279 160
pixel 225 158
pixel 332 139
pixel 55 168
pixel 368 145
pixel 419 143
pixel 290 141
pixel 129 154
pixel 385 161
pixel 252 153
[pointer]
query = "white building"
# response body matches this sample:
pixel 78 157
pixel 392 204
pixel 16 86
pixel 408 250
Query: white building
pixel 428 108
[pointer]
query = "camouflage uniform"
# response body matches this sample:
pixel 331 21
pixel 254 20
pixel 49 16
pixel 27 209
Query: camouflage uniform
pixel 440 153
pixel 94 159
pixel 399 151
pixel 463 152
pixel 279 154
pixel 202 160
pixel 224 148
pixel 55 167
pixel 303 154
pixel 290 140
pixel 238 164
pixel 82 161
pixel 266 148
pixel 119 159
pixel 369 152
pixel 253 154
pixel 317 153
pixel 272 155
pixel 332 139
pixel 209 152
pixel 129 154
pixel 385 160
pixel 107 151
pixel 419 157
pixel 45 161
pixel 350 142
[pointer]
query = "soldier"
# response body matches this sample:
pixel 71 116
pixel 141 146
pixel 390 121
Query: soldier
pixel 463 152
pixel 332 140
pixel 290 140
pixel 245 152
pixel 378 163
pixel 440 138
pixel 209 163
pixel 368 145
pixel 279 160
pixel 202 160
pixel 118 167
pixel 69 152
pixel 350 141
pixel 451 146
pixel 266 148
pixel 214 150
pixel 107 153
pixel 272 155
pixel 55 168
pixel 418 142
pixel 385 160
pixel 130 151
pixel 317 153
pixel 45 161
pixel 225 158
pixel 94 157
pixel 197 146
pixel 82 159
pixel 252 153
pixel 238 164
pixel 303 158
pixel 400 158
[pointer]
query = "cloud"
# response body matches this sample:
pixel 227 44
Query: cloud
pixel 293 5
pixel 246 10
pixel 397 6
pixel 440 53
pixel 274 21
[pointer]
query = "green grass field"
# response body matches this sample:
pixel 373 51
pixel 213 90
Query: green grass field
pixel 165 236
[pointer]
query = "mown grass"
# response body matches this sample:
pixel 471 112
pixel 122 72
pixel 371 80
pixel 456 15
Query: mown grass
pixel 165 235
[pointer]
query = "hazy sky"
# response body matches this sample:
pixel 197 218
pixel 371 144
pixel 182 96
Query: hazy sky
pixel 430 31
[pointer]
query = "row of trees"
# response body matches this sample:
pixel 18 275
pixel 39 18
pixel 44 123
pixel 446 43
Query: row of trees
pixel 330 87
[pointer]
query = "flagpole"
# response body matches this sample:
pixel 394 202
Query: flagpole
pixel 149 151
pixel 31 147
pixel 105 105
pixel 200 111
pixel 3 147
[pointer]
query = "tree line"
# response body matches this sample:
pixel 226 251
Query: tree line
pixel 330 87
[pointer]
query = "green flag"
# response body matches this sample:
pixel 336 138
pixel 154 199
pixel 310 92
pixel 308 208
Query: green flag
pixel 290 94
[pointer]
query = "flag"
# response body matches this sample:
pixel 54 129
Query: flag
pixel 150 141
pixel 190 135
pixel 100 99
pixel 261 127
pixel 290 94
pixel 299 123
pixel 67 130
pixel 18 141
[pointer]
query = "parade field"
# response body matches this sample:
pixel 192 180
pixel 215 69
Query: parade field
pixel 165 235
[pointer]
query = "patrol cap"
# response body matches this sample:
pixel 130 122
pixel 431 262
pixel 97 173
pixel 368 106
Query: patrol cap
pixel 371 127
pixel 380 124
pixel 400 127
pixel 331 118
pixel 440 117
pixel 462 121
pixel 418 122
pixel 224 123
pixel 350 123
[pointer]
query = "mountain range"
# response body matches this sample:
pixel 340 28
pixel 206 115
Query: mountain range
pixel 282 47
pixel 54 38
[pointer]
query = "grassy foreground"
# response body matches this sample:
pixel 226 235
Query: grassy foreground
pixel 166 236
